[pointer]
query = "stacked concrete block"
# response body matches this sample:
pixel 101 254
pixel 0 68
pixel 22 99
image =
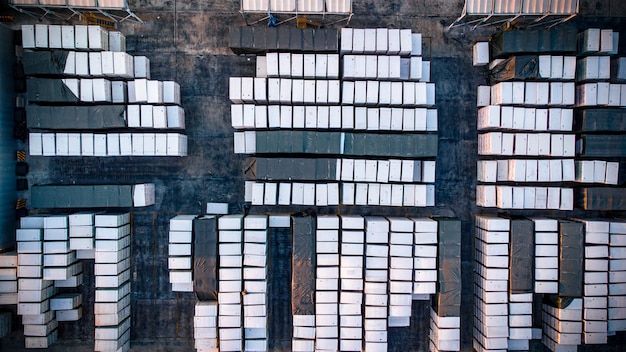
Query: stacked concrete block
pixel 596 281
pixel 376 279
pixel 424 258
pixel 303 333
pixel 180 258
pixel 67 306
pixel 401 253
pixel 491 319
pixel 546 255
pixel 8 279
pixel 82 234
pixel 33 291
pixel 327 277
pixel 255 282
pixel 562 326
pixel 230 284
pixel 112 274
pixel 351 300
pixel 59 261
pixel 205 326
pixel 617 268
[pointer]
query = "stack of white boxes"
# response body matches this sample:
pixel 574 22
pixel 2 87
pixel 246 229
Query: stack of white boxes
pixel 230 323
pixel 520 321
pixel 595 313
pixel 67 306
pixel 255 282
pixel 81 233
pixel 8 278
pixel 491 319
pixel 99 53
pixel 34 292
pixel 59 262
pixel 327 278
pixel 562 327
pixel 539 112
pixel 381 67
pixel 303 333
pixel 351 274
pixel 376 279
pixel 112 274
pixel 205 326
pixel 400 271
pixel 445 333
pixel 546 255
pixel 180 261
pixel 617 273
pixel 597 171
pixel 425 258
pixel 594 69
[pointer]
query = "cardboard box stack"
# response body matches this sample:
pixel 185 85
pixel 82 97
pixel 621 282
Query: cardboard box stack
pixel 96 69
pixel 401 253
pixel 546 255
pixel 351 299
pixel 180 253
pixel 205 326
pixel 328 274
pixel 385 88
pixel 82 234
pixel 562 326
pixel 376 280
pixel 491 316
pixel 112 273
pixel 617 270
pixel 33 291
pixel 230 284
pixel 255 250
pixel 8 278
pixel 67 306
pixel 425 258
pixel 59 261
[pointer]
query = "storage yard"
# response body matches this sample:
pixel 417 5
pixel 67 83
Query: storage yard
pixel 396 176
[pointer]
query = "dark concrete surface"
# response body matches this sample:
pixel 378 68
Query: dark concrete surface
pixel 187 41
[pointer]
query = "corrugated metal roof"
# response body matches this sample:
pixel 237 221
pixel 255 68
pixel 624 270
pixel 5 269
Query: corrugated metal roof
pixel 478 7
pixel 255 5
pixel 283 5
pixel 310 5
pixel 564 7
pixel 339 6
pixel 536 6
pixel 506 6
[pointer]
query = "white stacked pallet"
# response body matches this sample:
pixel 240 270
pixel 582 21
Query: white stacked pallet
pixel 617 271
pixel 514 197
pixel 255 282
pixel 598 41
pixel 424 258
pixel 80 37
pixel 520 321
pixel 526 170
pixel 108 144
pixel 351 298
pixel 545 144
pixel 230 287
pixel 562 327
pixel 288 65
pixel 597 171
pixel 491 319
pixel 376 281
pixel 303 333
pixel 596 282
pixel 67 306
pixel 525 118
pixel 112 275
pixel 59 261
pixel 445 333
pixel 601 94
pixel 8 278
pixel 205 326
pixel 327 279
pixel 81 234
pixel 401 253
pixel 180 259
pixel 34 293
pixel 546 255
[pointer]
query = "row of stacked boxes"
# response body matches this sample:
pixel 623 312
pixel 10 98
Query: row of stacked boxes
pixel 367 272
pixel 273 84
pixel 126 80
